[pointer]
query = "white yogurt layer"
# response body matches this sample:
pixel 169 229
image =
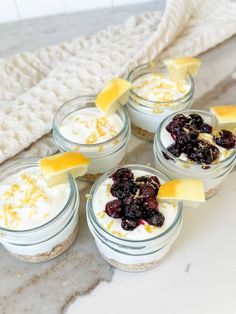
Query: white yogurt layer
pixel 90 126
pixel 27 202
pixel 113 225
pixel 167 140
pixel 165 95
pixel 159 88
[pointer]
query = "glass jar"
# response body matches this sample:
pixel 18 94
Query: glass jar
pixel 101 160
pixel 212 175
pixel 46 241
pixel 145 114
pixel 126 254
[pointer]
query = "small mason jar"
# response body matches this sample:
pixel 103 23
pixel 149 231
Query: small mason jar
pixel 128 254
pixel 104 155
pixel 212 175
pixel 145 114
pixel 46 241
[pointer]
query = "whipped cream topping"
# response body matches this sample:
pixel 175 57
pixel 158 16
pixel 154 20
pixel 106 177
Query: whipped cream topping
pixel 27 202
pixel 90 126
pixel 159 88
pixel 167 140
pixel 113 225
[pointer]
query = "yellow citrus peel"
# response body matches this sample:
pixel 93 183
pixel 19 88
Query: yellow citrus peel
pixel 190 190
pixel 179 68
pixel 114 94
pixel 55 169
pixel 224 114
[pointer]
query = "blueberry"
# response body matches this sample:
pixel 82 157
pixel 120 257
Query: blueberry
pixel 181 117
pixel 147 191
pixel 174 126
pixel 225 139
pixel 150 207
pixel 130 200
pixel 114 209
pixel 196 120
pixel 152 181
pixel 143 179
pixel 166 156
pixel 155 181
pixel 124 189
pixel 122 174
pixel 206 128
pixel 129 224
pixel 204 153
pixel 188 134
pixel 156 219
pixel 175 149
pixel 133 211
pixel 150 203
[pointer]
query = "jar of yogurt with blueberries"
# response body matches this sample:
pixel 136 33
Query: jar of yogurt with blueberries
pixel 154 96
pixel 191 144
pixel 132 229
pixel 80 126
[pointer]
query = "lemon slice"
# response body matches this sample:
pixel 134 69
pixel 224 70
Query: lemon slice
pixel 179 68
pixel 116 92
pixel 188 190
pixel 224 114
pixel 55 169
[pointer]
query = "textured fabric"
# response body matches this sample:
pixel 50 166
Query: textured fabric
pixel 34 85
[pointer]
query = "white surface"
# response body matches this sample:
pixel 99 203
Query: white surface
pixel 197 277
pixel 29 35
pixel 34 8
pixel 125 2
pixel 8 11
pixel 12 10
pixel 80 5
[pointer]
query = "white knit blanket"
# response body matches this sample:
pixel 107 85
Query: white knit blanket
pixel 34 85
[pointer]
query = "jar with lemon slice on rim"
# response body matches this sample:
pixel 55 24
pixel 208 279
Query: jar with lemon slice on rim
pixel 198 143
pixel 98 127
pixel 135 214
pixel 159 90
pixel 39 205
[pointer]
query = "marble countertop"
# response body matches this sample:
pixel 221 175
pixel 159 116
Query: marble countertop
pixel 199 274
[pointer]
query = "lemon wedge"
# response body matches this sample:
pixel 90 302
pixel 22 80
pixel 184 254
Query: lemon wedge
pixel 55 169
pixel 178 68
pixel 188 190
pixel 116 92
pixel 224 114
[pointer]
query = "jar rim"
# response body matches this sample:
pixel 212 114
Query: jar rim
pixel 33 162
pixel 159 66
pixel 87 98
pixel 162 148
pixel 90 212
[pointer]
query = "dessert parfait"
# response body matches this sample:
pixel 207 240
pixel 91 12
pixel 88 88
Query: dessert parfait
pixel 192 144
pixel 159 90
pixel 132 226
pixel 39 203
pixel 102 136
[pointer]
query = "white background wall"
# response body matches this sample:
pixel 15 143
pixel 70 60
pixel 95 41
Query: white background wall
pixel 12 10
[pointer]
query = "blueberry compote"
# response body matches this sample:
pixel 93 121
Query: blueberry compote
pixel 186 130
pixel 136 200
